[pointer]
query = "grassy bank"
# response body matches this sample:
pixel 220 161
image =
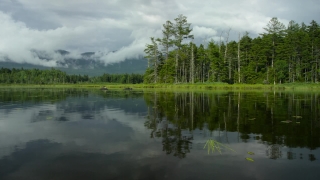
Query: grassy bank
pixel 197 86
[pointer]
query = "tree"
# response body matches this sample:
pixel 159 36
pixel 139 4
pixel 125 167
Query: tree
pixel 216 62
pixel 304 53
pixel 202 59
pixel 276 29
pixel 166 41
pixel 289 49
pixel 192 63
pixel 314 34
pixel 152 55
pixel 182 31
pixel 245 54
pixel 239 68
pixel 226 57
pixel 244 61
pixel 281 70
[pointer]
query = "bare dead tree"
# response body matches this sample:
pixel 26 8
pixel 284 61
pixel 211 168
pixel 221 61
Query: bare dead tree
pixel 239 68
pixel 220 42
pixel 225 53
pixel 226 50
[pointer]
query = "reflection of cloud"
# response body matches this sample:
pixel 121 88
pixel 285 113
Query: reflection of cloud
pixel 98 143
pixel 43 159
pixel 65 122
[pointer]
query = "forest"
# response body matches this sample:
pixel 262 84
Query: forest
pixel 281 54
pixel 54 76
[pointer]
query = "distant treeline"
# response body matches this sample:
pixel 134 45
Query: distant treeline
pixel 54 76
pixel 282 53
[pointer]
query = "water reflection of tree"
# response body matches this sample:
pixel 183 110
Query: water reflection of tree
pixel 258 114
pixel 173 133
pixel 274 151
pixel 35 95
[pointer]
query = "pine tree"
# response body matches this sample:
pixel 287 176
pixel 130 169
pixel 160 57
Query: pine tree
pixel 216 62
pixel 167 41
pixel 314 34
pixel 182 31
pixel 275 31
pixel 153 56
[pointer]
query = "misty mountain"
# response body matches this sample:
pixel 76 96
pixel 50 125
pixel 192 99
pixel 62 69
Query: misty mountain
pixel 86 64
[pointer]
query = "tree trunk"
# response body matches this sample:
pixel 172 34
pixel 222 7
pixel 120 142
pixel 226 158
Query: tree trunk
pixel 238 115
pixel 155 65
pixel 289 66
pixel 239 76
pixel 267 74
pixel 316 72
pixel 272 52
pixel 176 76
pixel 220 43
pixel 229 67
pixel 225 55
pixel 192 66
pixel 183 72
pixel 226 50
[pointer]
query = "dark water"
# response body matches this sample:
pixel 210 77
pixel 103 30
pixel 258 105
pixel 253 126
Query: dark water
pixel 83 134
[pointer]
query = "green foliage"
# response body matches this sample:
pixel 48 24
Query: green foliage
pixel 281 54
pixel 214 145
pixel 280 69
pixel 148 76
pixel 54 76
pixel 166 74
pixel 249 159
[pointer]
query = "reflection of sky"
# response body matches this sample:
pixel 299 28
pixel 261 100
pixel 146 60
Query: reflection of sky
pixel 67 122
pixel 99 140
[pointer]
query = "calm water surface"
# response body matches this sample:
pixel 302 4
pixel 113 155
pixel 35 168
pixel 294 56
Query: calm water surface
pixel 88 134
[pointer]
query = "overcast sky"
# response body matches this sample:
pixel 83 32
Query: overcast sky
pixel 126 25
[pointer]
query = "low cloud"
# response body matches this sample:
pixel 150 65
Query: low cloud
pixel 203 32
pixel 23 45
pixel 119 30
pixel 135 50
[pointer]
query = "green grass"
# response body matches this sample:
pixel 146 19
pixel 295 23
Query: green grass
pixel 197 86
pixel 213 145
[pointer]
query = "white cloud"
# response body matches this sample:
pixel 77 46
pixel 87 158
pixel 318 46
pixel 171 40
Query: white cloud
pixel 141 37
pixel 125 26
pixel 203 32
pixel 18 41
pixel 134 50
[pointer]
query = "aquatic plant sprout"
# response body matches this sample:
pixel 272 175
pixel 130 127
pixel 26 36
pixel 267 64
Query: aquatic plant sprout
pixel 214 145
pixel 249 159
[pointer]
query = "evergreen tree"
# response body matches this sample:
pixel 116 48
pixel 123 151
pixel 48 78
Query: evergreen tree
pixel 314 34
pixel 182 31
pixel 216 62
pixel 281 54
pixel 153 56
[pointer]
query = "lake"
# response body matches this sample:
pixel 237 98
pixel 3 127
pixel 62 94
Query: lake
pixel 91 134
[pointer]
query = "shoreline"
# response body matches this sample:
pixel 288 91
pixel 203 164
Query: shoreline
pixel 198 86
